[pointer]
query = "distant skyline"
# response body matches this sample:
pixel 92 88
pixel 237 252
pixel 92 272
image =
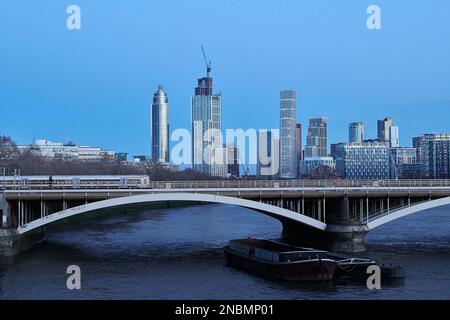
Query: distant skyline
pixel 95 85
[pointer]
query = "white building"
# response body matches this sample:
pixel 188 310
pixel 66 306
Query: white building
pixel 49 149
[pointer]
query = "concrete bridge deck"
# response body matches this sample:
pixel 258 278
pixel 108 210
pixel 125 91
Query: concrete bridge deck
pixel 334 213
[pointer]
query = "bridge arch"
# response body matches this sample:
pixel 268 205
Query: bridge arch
pixel 273 211
pixel 407 211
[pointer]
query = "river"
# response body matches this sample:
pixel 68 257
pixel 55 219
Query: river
pixel 176 253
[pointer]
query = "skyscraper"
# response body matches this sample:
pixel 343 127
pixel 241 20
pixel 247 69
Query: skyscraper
pixel 208 153
pixel 268 162
pixel 299 141
pixel 384 129
pixel 316 140
pixel 288 134
pixel 356 132
pixel 393 137
pixel 160 126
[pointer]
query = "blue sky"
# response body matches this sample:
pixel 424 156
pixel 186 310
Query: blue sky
pixel 95 85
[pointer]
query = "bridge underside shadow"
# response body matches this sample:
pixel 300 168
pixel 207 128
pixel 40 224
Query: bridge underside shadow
pixel 15 240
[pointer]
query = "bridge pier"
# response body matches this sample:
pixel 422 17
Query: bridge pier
pixel 12 243
pixel 338 238
pixel 5 212
pixel 345 230
pixel 346 238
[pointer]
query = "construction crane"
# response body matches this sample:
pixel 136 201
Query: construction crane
pixel 208 63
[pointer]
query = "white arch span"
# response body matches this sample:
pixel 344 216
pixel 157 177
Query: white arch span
pixel 407 211
pixel 267 209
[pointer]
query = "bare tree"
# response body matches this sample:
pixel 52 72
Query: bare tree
pixel 30 162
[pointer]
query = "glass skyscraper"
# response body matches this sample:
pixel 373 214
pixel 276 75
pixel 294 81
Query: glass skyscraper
pixel 356 132
pixel 160 126
pixel 208 153
pixel 288 134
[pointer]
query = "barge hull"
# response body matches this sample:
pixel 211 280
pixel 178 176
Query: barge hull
pixel 307 270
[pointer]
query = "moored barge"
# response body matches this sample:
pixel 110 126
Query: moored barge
pixel 279 260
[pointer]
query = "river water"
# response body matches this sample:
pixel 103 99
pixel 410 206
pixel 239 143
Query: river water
pixel 176 253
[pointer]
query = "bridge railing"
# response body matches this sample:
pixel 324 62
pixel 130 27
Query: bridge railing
pixel 225 184
pixel 274 184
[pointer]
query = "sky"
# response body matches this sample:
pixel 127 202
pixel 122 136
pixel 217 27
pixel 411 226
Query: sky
pixel 94 86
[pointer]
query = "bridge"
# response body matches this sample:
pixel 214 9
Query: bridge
pixel 333 214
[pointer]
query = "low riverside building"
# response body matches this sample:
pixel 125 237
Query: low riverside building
pixel 309 165
pixel 59 150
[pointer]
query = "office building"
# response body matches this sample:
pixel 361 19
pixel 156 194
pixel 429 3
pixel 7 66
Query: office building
pixel 288 135
pixel 160 126
pixel 368 160
pixel 356 132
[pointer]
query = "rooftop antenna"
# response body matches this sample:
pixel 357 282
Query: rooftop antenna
pixel 208 63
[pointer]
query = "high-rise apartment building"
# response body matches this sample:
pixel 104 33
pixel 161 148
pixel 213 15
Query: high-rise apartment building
pixel 160 126
pixel 356 132
pixel 208 153
pixel 435 150
pixel 316 140
pixel 288 134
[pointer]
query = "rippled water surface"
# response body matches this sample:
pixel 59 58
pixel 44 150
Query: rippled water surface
pixel 176 253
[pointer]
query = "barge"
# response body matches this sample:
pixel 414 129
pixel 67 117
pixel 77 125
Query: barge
pixel 279 260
